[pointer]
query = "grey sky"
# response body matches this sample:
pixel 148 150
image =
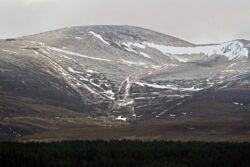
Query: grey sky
pixel 199 21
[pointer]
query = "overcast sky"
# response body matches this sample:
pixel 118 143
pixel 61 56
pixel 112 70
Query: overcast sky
pixel 198 21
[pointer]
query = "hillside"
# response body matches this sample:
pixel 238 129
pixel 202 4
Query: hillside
pixel 90 77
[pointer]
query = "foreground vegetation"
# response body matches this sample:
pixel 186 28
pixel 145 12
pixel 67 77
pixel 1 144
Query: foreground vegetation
pixel 124 153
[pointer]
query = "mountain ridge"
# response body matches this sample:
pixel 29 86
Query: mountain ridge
pixel 132 26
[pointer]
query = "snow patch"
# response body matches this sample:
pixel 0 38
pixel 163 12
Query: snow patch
pixel 145 55
pixel 124 103
pixel 172 115
pixel 80 38
pixel 120 118
pixel 83 79
pixel 99 37
pixel 138 45
pixel 129 45
pixel 172 87
pixel 70 69
pixel 111 94
pixel 231 50
pixel 92 71
pixel 75 54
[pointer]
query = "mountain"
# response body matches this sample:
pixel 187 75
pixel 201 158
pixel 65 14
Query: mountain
pixel 97 76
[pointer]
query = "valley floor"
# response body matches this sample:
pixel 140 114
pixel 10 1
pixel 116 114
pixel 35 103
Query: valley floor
pixel 182 129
